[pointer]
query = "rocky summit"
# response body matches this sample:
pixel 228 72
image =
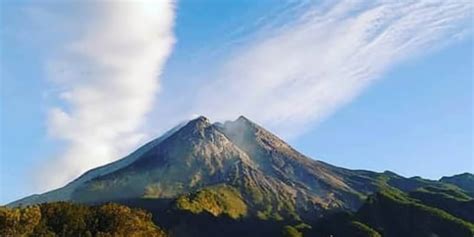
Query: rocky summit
pixel 238 170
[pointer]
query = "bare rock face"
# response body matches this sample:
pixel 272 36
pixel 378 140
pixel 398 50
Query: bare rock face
pixel 271 178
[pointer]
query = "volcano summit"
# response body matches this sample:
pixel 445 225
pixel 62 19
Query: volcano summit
pixel 239 171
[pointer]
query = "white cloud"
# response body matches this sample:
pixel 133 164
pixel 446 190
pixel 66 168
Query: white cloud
pixel 110 79
pixel 283 77
pixel 304 71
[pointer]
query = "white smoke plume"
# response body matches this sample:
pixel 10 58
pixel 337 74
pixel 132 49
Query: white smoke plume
pixel 110 77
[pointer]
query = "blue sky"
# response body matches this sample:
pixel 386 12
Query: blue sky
pixel 365 86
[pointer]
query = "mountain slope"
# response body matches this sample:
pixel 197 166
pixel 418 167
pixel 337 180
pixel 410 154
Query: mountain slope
pixel 393 213
pixel 237 169
pixel 65 193
pixel 464 181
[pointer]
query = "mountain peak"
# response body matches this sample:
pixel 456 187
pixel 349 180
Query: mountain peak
pixel 243 119
pixel 237 168
pixel 197 124
pixel 201 119
pixel 241 124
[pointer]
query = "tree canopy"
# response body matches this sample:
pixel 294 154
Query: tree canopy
pixel 68 219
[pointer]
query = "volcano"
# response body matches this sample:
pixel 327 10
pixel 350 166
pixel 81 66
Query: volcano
pixel 235 169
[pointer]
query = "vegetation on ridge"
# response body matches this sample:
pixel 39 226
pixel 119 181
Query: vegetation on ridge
pixel 219 200
pixel 237 179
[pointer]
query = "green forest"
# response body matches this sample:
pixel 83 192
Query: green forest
pixel 428 211
pixel 67 219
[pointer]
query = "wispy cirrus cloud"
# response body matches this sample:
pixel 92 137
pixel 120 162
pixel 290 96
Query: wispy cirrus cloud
pixel 303 71
pixel 288 70
pixel 109 78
